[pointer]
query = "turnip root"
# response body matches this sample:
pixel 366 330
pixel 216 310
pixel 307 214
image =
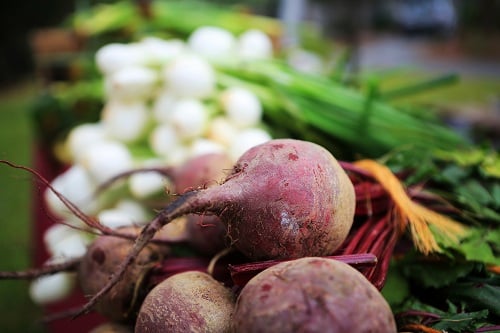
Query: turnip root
pixel 311 295
pixel 102 258
pixel 186 302
pixel 283 199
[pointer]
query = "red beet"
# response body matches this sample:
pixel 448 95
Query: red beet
pixel 283 199
pixel 311 295
pixel 201 172
pixel 206 234
pixel 186 302
pixel 102 259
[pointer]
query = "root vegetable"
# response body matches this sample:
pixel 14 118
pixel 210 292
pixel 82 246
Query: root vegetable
pixel 206 234
pixel 311 295
pixel 186 302
pixel 284 199
pixel 201 172
pixel 102 259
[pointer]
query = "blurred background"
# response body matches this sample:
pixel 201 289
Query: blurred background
pixel 457 41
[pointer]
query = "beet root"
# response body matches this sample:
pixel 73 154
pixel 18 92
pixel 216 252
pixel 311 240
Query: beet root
pixel 201 172
pixel 103 257
pixel 311 295
pixel 207 234
pixel 186 302
pixel 288 199
pixel 283 199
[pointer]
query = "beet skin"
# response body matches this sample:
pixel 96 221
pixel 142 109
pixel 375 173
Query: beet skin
pixel 311 295
pixel 186 302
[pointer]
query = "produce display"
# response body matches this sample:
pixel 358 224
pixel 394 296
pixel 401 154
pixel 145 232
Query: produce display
pixel 221 187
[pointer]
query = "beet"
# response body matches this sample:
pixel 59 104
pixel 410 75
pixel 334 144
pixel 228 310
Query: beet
pixel 283 199
pixel 201 172
pixel 186 302
pixel 102 259
pixel 311 295
pixel 206 234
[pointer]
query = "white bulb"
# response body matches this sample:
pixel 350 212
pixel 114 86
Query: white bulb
pixel 82 137
pixel 160 51
pixel 107 160
pixel 189 76
pixel 163 139
pixel 136 211
pixel 163 105
pixel 212 42
pixel 117 217
pixel 222 130
pixel 247 139
pixel 131 83
pixel 203 146
pixel 189 118
pixel 178 155
pixel 52 288
pixel 145 184
pixel 242 106
pixel 255 44
pixel 73 245
pixel 54 233
pixel 126 122
pixel 77 186
pixel 115 56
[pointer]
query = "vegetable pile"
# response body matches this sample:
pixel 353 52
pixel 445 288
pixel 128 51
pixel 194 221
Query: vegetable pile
pixel 214 193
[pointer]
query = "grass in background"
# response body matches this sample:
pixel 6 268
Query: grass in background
pixel 19 313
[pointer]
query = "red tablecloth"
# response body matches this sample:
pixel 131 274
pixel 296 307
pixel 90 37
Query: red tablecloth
pixel 46 165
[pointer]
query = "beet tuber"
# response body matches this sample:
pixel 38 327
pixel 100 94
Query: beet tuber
pixel 283 199
pixel 311 295
pixel 102 258
pixel 186 302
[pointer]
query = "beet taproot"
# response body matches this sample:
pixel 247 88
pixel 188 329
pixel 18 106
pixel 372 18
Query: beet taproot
pixel 284 198
pixel 186 302
pixel 103 257
pixel 311 294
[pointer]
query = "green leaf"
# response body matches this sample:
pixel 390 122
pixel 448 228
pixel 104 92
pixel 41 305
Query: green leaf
pixel 477 293
pixel 461 322
pixel 474 191
pixel 467 157
pixel 437 273
pixel 478 246
pixel 491 165
pixel 495 193
pixel 452 174
pixel 454 320
pixel 396 288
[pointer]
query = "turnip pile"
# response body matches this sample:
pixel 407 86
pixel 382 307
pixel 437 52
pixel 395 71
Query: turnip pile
pixel 311 295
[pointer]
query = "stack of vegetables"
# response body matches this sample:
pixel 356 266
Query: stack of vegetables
pixel 423 221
